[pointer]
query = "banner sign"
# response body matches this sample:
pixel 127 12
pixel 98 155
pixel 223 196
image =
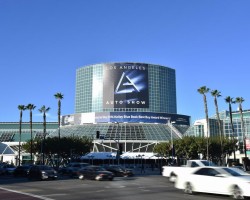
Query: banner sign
pixel 125 85
pixel 141 117
pixel 126 117
pixel 247 144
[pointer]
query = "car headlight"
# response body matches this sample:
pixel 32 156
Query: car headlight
pixel 44 173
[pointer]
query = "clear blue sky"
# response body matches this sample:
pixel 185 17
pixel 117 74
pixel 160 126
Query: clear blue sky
pixel 43 42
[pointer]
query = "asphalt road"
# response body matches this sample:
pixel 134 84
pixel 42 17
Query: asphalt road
pixel 144 187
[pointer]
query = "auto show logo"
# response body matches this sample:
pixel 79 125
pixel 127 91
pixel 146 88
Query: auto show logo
pixel 124 82
pixel 125 85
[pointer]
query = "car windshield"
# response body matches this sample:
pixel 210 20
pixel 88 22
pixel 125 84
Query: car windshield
pixel 46 168
pixel 116 167
pixel 232 172
pixel 99 169
pixel 208 163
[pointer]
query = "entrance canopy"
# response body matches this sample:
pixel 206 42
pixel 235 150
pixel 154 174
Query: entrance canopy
pixel 5 149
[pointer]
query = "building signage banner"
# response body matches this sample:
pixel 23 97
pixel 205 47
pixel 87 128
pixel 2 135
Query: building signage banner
pixel 247 144
pixel 74 119
pixel 125 85
pixel 141 117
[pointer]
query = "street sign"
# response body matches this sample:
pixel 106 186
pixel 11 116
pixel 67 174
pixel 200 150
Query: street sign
pixel 248 144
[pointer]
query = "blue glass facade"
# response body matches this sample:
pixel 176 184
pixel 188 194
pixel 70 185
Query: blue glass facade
pixel 90 94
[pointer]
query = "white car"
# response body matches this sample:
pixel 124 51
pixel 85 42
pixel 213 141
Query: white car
pixel 216 180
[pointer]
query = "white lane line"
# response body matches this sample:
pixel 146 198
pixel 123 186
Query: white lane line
pixel 48 195
pixel 28 194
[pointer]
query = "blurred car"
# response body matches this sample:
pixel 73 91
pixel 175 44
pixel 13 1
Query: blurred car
pixel 119 171
pixel 7 169
pixel 95 173
pixel 22 170
pixel 239 170
pixel 72 168
pixel 216 180
pixel 42 172
pixel 239 167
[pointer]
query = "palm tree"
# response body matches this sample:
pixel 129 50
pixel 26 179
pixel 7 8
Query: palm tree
pixel 59 97
pixel 31 107
pixel 43 110
pixel 230 101
pixel 216 94
pixel 21 108
pixel 203 90
pixel 240 100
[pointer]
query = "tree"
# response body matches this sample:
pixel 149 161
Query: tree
pixel 216 94
pixel 229 145
pixel 162 148
pixel 187 147
pixel 59 97
pixel 80 146
pixel 31 107
pixel 203 90
pixel 191 147
pixel 230 101
pixel 240 100
pixel 21 108
pixel 43 110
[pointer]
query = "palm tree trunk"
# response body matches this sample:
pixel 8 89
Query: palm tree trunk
pixel 207 122
pixel 220 129
pixel 20 139
pixel 31 139
pixel 59 134
pixel 232 126
pixel 243 131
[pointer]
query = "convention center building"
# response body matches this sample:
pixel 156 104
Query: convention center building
pixel 125 106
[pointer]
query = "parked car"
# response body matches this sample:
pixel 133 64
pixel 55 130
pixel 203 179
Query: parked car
pixel 216 180
pixel 42 172
pixel 72 168
pixel 6 169
pixel 22 170
pixel 95 173
pixel 119 171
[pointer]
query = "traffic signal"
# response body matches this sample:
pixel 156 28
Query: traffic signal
pixel 97 134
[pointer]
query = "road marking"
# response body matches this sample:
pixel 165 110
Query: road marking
pixel 28 194
pixel 47 195
pixel 117 186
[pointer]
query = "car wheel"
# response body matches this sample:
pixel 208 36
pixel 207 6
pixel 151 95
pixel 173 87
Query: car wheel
pixel 172 177
pixel 237 193
pixel 110 179
pixel 188 188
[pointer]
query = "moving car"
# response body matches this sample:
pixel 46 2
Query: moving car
pixel 72 168
pixel 95 173
pixel 42 172
pixel 22 170
pixel 216 180
pixel 171 172
pixel 119 171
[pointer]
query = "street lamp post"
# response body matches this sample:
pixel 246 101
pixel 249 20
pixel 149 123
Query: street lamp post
pixel 117 144
pixel 172 143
